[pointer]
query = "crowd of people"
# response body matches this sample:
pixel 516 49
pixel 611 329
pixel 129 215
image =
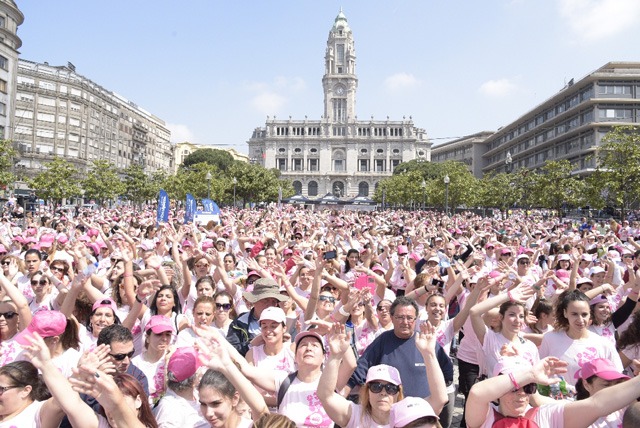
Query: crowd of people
pixel 286 317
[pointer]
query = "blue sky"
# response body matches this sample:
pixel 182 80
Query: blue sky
pixel 214 70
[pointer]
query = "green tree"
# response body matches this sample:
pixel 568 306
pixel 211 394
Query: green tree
pixel 7 158
pixel 138 188
pixel 461 190
pixel 220 159
pixel 555 187
pixel 103 182
pixel 498 190
pixel 256 183
pixel 618 167
pixel 58 181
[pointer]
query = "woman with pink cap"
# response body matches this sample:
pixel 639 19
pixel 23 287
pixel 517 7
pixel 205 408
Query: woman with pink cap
pixel 413 412
pixel 383 386
pixel 152 360
pixel 15 316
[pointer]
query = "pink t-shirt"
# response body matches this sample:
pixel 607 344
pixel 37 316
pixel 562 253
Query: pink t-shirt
pixel 549 415
pixel 301 403
pixel 577 352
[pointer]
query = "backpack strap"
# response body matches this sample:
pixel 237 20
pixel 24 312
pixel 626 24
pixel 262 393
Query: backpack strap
pixel 284 386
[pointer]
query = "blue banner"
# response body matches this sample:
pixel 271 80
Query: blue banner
pixel 207 205
pixel 163 207
pixel 190 209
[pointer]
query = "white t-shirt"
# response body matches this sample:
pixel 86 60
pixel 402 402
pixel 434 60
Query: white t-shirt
pixel 155 373
pixel 176 412
pixel 577 352
pixel 358 419
pixel 28 418
pixel 301 403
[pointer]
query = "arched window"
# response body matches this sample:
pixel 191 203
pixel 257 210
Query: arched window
pixel 312 188
pixel 339 162
pixel 297 187
pixel 363 188
pixel 338 189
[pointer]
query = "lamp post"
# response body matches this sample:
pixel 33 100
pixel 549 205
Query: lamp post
pixel 208 178
pixel 424 194
pixel 235 181
pixel 446 194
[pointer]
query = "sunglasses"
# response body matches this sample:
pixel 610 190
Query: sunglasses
pixel 377 387
pixel 41 282
pixel 327 299
pixel 8 315
pixel 57 268
pixel 115 260
pixel 6 263
pixel 328 288
pixel 224 306
pixel 524 262
pixel 202 265
pixel 529 388
pixel 120 357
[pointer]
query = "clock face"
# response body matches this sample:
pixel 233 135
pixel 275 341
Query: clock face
pixel 339 90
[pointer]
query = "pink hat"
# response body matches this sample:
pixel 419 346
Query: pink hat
pixel 588 257
pixel 287 251
pixel 495 274
pixel 415 257
pixel 308 333
pixel 562 273
pixel 583 280
pixel 508 365
pixel 45 323
pixel 602 368
pixel 207 243
pixel 183 363
pixel 186 243
pixel 92 232
pixel 63 239
pixel 31 231
pixel 505 251
pixel 598 299
pixel 402 250
pixel 385 373
pixel 84 238
pixel 47 239
pixel 2 249
pixel 104 303
pixel 408 410
pixel 377 268
pixel 159 324
pixel 253 273
pixel 490 245
pixel 94 247
pixel 273 314
pixel 147 245
pixel 433 259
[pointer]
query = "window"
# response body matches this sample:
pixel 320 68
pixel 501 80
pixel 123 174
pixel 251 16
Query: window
pixel 297 187
pixel 281 164
pixel 24 114
pixel 338 165
pixel 363 151
pixel 297 150
pixel 394 164
pixel 282 150
pixel 340 54
pixel 340 110
pixel 363 189
pixel 4 63
pixel 50 86
pixel 612 114
pixel 312 188
pixel 380 165
pixel 297 164
pixel 46 101
pixel 45 117
pixel 312 165
pixel 3 86
pixel 314 150
pixel 363 165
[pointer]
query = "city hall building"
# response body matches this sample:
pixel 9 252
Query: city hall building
pixel 338 154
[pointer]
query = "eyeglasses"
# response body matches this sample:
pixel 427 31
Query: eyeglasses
pixel 57 268
pixel 529 388
pixel 224 306
pixel 328 288
pixel 377 387
pixel 41 282
pixel 8 315
pixel 4 389
pixel 120 357
pixel 327 299
pixel 407 318
pixel 524 262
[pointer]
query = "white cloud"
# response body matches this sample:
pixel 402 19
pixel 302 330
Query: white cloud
pixel 180 133
pixel 270 97
pixel 401 81
pixel 594 20
pixel 498 88
pixel 268 102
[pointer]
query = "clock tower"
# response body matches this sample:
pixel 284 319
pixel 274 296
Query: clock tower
pixel 339 81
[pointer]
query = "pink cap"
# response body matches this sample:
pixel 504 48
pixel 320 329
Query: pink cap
pixel 378 268
pixel 602 368
pixel 495 274
pixel 159 324
pixel 613 255
pixel 408 410
pixel 104 303
pixel 402 250
pixel 253 273
pixel 183 363
pixel 31 231
pixel 563 257
pixel 186 243
pixel 508 365
pixel 207 243
pixel 505 251
pixel 598 299
pixel 583 280
pixel 94 247
pixel 147 245
pixel 45 323
pixel 63 239
pixel 47 239
pixel 287 251
pixel 84 238
pixel 385 373
pixel 415 257
pixel 308 333
pixel 2 249
pixel 273 314
pixel 92 232
pixel 562 273
pixel 490 245
pixel 433 259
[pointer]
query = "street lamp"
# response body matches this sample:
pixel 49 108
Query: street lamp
pixel 235 181
pixel 208 178
pixel 508 160
pixel 446 194
pixel 424 194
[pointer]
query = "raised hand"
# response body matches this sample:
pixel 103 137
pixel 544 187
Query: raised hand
pixel 546 370
pixel 38 352
pixel 98 359
pixel 426 338
pixel 339 340
pixel 148 287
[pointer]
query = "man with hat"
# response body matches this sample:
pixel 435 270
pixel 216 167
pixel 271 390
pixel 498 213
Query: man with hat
pixel 243 329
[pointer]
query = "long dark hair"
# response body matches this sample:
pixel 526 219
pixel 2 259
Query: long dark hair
pixel 177 307
pixel 23 373
pixel 347 267
pixel 562 323
pixel 631 336
pixel 128 385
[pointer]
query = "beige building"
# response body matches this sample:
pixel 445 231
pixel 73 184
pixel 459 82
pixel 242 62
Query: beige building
pixel 10 19
pixel 468 150
pixel 338 154
pixel 571 124
pixel 184 149
pixel 61 113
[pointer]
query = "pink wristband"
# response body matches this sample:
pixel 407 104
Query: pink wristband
pixel 510 296
pixel 513 381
